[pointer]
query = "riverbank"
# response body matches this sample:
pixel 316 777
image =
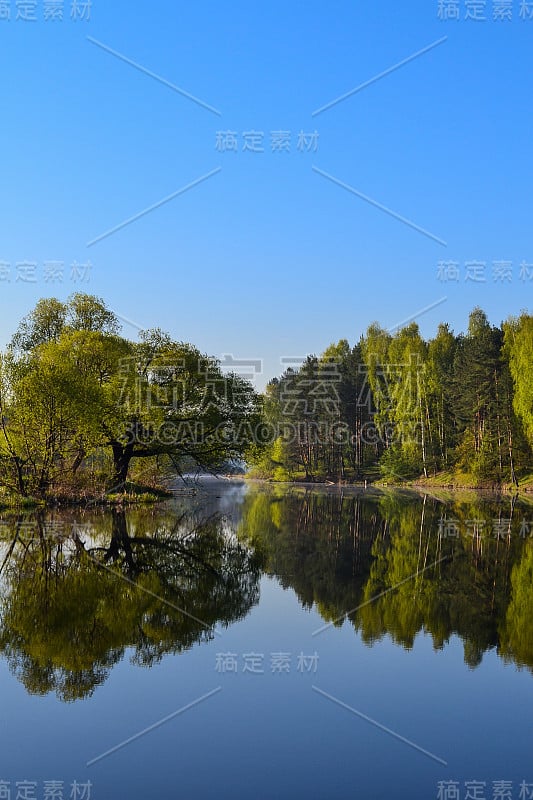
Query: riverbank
pixel 460 481
pixel 443 485
pixel 133 494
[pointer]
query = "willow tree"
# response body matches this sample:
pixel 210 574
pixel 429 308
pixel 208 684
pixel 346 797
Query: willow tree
pixel 49 418
pixel 71 386
pixel 176 403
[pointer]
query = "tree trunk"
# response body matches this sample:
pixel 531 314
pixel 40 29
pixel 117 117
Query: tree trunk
pixel 423 435
pixel 511 459
pixel 20 477
pixel 78 460
pixel 120 541
pixel 122 455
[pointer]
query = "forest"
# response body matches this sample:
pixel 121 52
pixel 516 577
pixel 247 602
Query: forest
pixel 457 408
pixel 85 412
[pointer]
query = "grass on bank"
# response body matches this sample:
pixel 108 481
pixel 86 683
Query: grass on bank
pixel 448 480
pixel 133 494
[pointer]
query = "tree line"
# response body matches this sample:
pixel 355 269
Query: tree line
pixel 85 410
pixel 399 407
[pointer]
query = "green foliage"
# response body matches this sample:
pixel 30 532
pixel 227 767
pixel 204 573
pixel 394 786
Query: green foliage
pixel 384 564
pixel 70 612
pixel 402 408
pixel 519 348
pixel 74 392
pixel 517 629
pixel 81 406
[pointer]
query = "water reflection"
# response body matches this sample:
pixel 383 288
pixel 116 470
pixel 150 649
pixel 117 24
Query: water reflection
pixel 154 582
pixel 355 557
pixel 74 601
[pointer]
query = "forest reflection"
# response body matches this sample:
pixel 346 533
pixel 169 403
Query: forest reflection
pixel 79 592
pixel 398 564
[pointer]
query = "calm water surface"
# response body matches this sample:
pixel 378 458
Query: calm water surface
pixel 315 644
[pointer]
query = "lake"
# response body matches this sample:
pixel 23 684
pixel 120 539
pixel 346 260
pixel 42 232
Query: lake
pixel 256 641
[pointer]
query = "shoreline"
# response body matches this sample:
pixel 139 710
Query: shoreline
pixel 418 488
pixel 157 495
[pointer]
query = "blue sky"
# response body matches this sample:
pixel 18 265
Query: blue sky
pixel 267 258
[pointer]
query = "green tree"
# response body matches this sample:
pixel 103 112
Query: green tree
pixel 49 413
pixel 44 324
pixel 71 387
pixel 441 355
pixel 519 346
pixel 476 374
pixel 176 403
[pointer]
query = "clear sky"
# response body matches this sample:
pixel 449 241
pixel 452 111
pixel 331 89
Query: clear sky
pixel 268 257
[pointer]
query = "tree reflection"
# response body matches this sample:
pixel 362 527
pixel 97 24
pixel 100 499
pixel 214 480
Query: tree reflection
pixel 155 583
pixel 517 625
pixel 386 564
